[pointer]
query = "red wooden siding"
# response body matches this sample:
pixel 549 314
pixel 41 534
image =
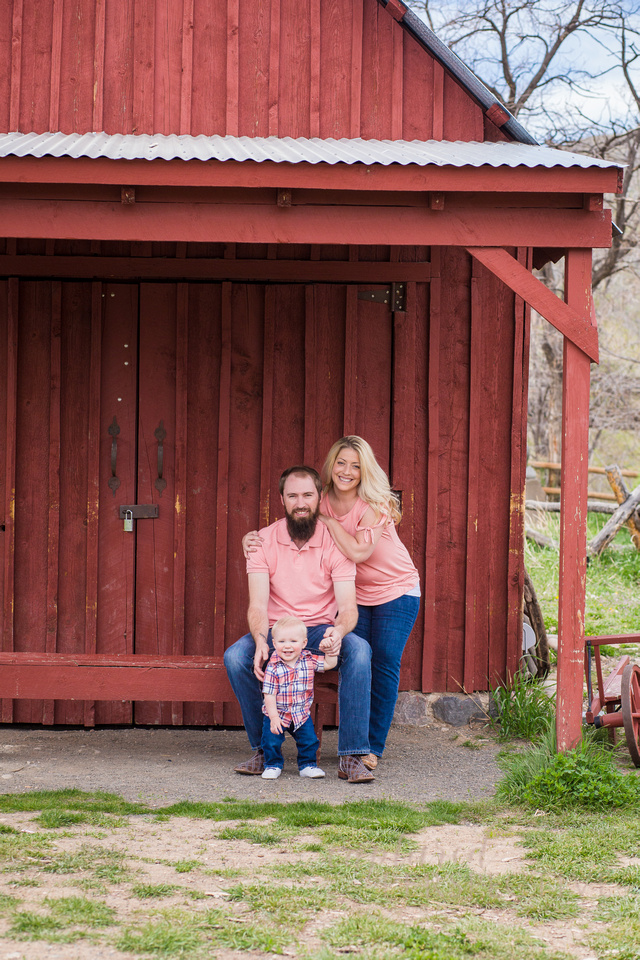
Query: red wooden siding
pixel 299 68
pixel 247 379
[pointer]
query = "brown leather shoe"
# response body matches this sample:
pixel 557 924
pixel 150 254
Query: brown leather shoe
pixel 254 766
pixel 353 770
pixel 370 761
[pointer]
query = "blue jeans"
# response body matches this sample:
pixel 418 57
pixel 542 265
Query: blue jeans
pixel 304 736
pixel 386 628
pixel 354 687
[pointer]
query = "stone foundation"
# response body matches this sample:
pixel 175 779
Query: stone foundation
pixel 456 709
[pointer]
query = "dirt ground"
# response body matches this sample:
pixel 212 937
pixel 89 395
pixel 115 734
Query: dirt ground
pixel 164 765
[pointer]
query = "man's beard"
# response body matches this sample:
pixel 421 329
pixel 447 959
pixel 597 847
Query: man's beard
pixel 303 528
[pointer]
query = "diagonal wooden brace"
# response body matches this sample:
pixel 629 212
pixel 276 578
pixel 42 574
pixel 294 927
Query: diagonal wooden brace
pixel 578 329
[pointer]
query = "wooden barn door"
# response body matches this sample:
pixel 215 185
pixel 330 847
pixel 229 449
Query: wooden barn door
pixel 138 610
pixel 93 416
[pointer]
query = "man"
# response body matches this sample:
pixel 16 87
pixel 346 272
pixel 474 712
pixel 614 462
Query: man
pixel 297 570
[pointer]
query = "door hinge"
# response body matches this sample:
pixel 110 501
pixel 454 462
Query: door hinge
pixel 395 296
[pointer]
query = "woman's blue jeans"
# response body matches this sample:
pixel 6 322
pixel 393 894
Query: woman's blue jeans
pixel 354 687
pixel 386 628
pixel 306 742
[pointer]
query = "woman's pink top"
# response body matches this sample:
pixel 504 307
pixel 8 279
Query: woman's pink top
pixel 389 572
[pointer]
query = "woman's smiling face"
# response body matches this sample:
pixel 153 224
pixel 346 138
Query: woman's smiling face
pixel 346 470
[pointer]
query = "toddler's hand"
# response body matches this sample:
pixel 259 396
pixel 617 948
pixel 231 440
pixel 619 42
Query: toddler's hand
pixel 276 725
pixel 324 644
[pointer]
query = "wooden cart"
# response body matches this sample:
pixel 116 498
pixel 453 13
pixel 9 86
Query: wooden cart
pixel 617 703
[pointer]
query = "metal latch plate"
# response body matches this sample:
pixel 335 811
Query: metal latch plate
pixel 139 511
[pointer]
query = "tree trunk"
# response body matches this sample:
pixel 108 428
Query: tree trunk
pixel 611 527
pixel 619 487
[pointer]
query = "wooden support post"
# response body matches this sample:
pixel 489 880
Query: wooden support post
pixel 573 515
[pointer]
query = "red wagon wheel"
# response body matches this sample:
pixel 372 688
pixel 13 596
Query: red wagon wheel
pixel 631 709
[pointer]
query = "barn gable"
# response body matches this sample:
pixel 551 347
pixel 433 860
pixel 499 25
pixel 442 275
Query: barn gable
pixel 284 68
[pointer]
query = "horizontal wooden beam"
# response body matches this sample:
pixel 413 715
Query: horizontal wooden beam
pixel 206 268
pixel 247 223
pixel 576 328
pixel 94 677
pixel 357 176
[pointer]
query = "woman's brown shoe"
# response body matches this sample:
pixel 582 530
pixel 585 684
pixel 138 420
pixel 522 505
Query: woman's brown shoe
pixel 370 761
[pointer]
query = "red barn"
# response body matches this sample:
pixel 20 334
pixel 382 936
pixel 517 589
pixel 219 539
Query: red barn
pixel 232 232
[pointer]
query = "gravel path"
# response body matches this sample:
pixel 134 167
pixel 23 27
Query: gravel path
pixel 164 765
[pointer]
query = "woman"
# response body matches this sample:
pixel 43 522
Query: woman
pixel 360 511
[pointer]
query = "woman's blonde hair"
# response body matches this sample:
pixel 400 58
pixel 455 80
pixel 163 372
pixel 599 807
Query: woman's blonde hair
pixel 374 486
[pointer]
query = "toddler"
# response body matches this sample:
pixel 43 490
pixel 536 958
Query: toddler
pixel 288 695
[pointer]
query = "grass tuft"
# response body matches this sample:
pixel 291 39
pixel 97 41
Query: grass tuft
pixel 525 711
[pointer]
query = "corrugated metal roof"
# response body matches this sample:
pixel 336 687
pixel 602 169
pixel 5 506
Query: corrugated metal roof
pixel 439 153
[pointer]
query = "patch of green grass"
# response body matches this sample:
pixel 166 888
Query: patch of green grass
pixel 287 906
pixel 69 919
pixel 539 898
pixel 502 941
pixel 28 925
pixel 163 938
pixel 358 934
pixel 101 863
pixel 22 851
pixel 80 911
pixel 619 941
pixel 616 909
pixel 7 903
pixel 70 799
pixel 253 834
pixel 186 866
pixel 146 891
pixel 225 933
pixel 54 819
pixel 613 598
pixel 525 711
pixel 589 852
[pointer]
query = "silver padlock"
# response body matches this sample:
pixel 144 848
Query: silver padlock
pixel 128 521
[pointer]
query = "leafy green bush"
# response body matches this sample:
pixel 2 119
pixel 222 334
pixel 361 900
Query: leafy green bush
pixel 584 777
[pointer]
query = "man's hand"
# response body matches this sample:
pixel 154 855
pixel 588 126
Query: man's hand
pixel 260 657
pixel 331 641
pixel 250 543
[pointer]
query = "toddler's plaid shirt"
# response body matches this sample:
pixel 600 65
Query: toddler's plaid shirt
pixel 292 686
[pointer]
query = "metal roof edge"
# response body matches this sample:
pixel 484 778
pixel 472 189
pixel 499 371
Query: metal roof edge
pixel 452 62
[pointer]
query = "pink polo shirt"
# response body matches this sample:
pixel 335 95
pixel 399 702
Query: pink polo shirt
pixel 389 572
pixel 300 581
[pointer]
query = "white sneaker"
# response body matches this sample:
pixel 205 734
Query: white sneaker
pixel 313 772
pixel 272 773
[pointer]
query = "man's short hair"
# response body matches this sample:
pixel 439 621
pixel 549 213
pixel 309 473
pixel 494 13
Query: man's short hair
pixel 302 471
pixel 285 622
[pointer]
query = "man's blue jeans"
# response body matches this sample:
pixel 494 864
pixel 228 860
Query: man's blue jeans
pixel 386 627
pixel 306 742
pixel 354 687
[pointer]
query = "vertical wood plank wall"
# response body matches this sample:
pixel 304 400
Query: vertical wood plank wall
pixel 298 68
pixel 261 376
